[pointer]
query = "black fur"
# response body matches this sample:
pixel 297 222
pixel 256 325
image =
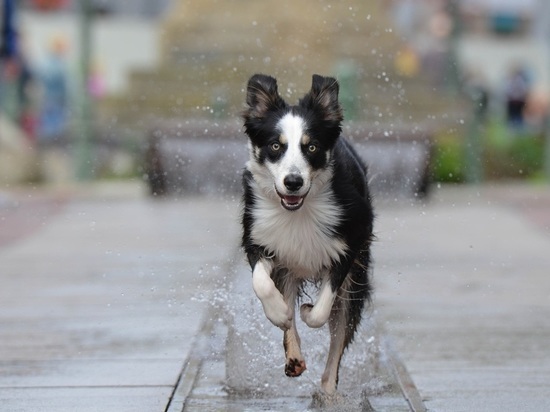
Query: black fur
pixel 322 115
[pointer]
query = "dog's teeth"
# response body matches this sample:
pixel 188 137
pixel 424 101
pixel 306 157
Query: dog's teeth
pixel 292 202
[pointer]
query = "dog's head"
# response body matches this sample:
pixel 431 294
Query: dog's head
pixel 291 145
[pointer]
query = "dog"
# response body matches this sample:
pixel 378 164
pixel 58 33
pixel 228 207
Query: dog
pixel 307 217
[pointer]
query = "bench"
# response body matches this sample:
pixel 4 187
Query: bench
pixel 207 158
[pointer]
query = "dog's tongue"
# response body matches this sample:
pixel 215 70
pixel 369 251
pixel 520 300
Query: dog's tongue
pixel 292 200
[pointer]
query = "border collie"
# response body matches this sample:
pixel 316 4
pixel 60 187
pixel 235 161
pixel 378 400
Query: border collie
pixel 307 217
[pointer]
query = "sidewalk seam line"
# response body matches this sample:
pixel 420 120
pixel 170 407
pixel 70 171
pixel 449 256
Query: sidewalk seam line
pixel 404 379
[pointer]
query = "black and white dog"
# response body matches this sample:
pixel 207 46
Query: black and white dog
pixel 307 217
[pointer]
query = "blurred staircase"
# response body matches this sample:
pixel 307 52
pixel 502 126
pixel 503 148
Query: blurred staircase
pixel 209 50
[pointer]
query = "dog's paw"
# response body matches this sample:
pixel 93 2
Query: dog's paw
pixel 294 367
pixel 278 312
pixel 305 311
pixel 311 317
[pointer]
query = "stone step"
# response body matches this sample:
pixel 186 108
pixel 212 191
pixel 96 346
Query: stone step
pixel 167 99
pixel 209 51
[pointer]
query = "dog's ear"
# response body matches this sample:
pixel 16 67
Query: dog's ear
pixel 262 96
pixel 323 97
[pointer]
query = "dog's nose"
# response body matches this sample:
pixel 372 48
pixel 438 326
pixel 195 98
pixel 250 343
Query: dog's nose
pixel 293 182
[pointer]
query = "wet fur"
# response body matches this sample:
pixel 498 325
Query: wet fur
pixel 325 239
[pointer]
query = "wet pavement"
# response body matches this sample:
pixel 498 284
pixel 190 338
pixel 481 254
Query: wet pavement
pixel 237 364
pixel 113 301
pixel 98 305
pixel 465 292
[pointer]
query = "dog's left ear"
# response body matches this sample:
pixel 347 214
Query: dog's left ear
pixel 323 96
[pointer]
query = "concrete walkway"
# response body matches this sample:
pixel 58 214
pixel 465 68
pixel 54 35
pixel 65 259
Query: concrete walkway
pixel 104 292
pixel 99 303
pixel 464 285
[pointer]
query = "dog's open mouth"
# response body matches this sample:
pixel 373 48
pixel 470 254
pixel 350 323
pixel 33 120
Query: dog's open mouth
pixel 291 202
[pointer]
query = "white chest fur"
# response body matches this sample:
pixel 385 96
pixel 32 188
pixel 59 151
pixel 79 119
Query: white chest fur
pixel 303 240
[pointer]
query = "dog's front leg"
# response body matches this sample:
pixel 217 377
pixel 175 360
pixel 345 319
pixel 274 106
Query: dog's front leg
pixel 317 315
pixel 275 308
pixel 295 363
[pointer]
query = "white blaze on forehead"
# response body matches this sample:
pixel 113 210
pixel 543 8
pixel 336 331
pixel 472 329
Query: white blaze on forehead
pixel 292 129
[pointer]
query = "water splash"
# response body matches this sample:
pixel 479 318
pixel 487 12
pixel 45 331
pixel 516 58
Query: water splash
pixel 254 354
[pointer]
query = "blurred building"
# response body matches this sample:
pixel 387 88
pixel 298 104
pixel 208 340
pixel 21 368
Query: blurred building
pixel 500 46
pixel 138 8
pixel 125 35
pixel 493 35
pixel 500 36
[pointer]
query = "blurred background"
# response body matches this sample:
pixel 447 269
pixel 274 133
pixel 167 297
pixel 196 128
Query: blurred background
pixel 433 90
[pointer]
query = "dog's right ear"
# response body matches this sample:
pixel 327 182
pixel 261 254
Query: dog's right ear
pixel 262 96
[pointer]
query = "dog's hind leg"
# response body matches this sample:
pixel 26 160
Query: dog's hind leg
pixel 345 318
pixel 338 342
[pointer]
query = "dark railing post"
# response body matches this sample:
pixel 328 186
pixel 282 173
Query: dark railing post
pixel 474 139
pixel 84 167
pixel 546 159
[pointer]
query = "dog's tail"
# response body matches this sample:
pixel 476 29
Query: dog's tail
pixel 357 292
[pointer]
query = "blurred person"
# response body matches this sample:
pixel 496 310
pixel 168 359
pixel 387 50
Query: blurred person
pixel 16 86
pixel 537 108
pixel 9 70
pixel 26 92
pixel 96 81
pixel 8 59
pixel 407 62
pixel 53 76
pixel 517 90
pixel 474 85
pixel 49 5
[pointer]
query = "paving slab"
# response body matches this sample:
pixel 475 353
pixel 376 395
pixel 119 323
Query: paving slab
pixel 100 302
pixel 84 399
pixel 463 285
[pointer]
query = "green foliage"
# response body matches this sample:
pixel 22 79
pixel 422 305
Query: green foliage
pixel 511 153
pixel 448 160
pixel 507 154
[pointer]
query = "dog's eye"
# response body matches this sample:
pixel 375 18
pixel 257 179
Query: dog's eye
pixel 312 148
pixel 275 146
